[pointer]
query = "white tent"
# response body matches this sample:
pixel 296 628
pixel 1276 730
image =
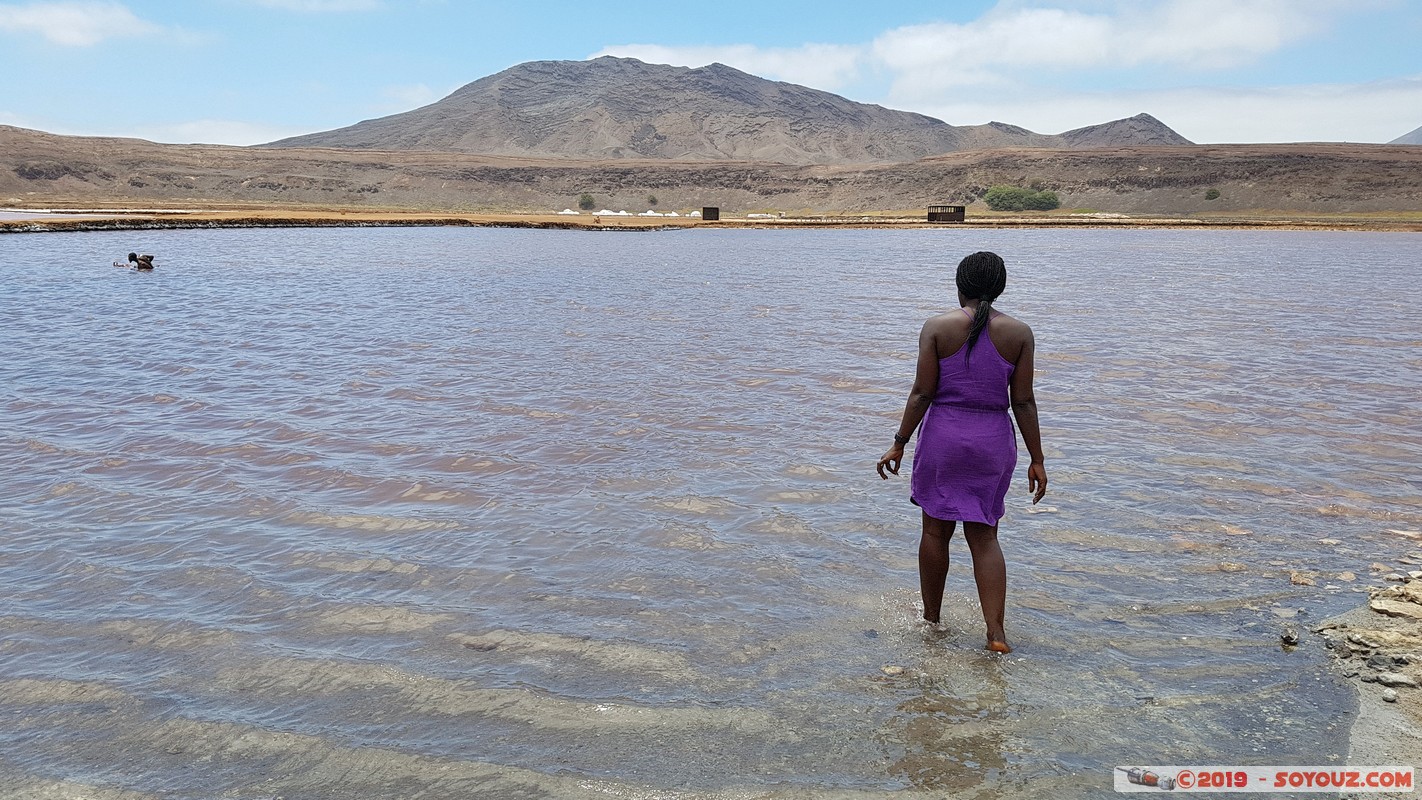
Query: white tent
pixel 672 214
pixel 694 214
pixel 650 213
pixel 607 213
pixel 569 212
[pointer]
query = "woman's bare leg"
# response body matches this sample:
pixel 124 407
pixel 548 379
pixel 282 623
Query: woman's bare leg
pixel 933 564
pixel 990 573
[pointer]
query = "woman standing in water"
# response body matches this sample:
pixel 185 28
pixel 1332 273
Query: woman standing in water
pixel 964 385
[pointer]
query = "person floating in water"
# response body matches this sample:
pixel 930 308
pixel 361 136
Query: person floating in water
pixel 974 365
pixel 139 262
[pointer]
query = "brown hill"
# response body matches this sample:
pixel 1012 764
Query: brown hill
pixel 614 108
pixel 45 169
pixel 1142 129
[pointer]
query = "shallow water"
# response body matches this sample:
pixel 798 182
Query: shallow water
pixel 476 512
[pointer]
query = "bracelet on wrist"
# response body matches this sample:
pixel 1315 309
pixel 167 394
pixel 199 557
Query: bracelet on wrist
pixel 900 440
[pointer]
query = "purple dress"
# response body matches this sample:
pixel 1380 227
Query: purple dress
pixel 967 446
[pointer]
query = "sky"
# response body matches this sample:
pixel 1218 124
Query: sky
pixel 251 71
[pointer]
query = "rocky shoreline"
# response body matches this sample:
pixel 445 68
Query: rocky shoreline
pixel 1379 648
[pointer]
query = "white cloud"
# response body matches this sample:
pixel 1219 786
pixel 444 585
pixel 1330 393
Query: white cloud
pixel 202 131
pixel 822 66
pixel 15 121
pixel 967 53
pixel 1369 112
pixel 1209 34
pixel 1009 44
pixel 74 24
pixel 213 131
pixel 1015 39
pixel 320 5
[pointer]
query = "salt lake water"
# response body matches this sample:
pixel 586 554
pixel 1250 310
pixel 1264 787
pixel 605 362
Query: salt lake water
pixel 451 513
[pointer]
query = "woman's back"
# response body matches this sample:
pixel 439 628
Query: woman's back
pixel 975 378
pixel 950 332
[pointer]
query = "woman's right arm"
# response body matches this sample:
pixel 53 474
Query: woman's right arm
pixel 1024 409
pixel 925 386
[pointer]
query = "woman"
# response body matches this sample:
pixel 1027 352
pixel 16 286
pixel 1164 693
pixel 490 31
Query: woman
pixel 973 364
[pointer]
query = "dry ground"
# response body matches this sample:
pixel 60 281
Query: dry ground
pixel 1301 181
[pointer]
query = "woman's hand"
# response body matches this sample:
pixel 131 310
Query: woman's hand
pixel 1037 481
pixel 891 460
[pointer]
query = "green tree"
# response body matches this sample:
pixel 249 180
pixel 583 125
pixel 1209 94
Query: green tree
pixel 1005 198
pixel 1043 201
pixel 651 200
pixel 1213 194
pixel 586 202
pixel 1015 198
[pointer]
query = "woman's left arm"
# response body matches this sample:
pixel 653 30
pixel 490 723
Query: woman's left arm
pixel 925 386
pixel 1024 409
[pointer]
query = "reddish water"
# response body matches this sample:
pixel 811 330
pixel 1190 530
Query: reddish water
pixel 457 513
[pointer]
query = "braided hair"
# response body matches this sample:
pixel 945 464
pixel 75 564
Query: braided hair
pixel 981 276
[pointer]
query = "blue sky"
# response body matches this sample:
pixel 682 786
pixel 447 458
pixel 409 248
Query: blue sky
pixel 249 71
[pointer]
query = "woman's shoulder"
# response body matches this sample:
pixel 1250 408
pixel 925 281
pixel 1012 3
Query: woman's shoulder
pixel 949 322
pixel 1009 326
pixel 954 317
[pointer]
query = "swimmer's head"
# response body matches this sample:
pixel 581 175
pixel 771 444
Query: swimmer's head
pixel 132 256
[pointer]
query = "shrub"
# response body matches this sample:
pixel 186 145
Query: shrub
pixel 1213 194
pixel 1004 198
pixel 651 200
pixel 1043 201
pixel 586 202
pixel 1015 198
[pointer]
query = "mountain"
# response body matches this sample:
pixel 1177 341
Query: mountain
pixel 1409 138
pixel 1137 130
pixel 622 108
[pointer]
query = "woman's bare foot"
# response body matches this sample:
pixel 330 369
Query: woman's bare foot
pixel 931 625
pixel 997 644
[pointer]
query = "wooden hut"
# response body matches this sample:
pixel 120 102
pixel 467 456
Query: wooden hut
pixel 711 213
pixel 946 213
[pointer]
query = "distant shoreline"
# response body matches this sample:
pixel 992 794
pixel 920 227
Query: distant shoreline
pixel 158 219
